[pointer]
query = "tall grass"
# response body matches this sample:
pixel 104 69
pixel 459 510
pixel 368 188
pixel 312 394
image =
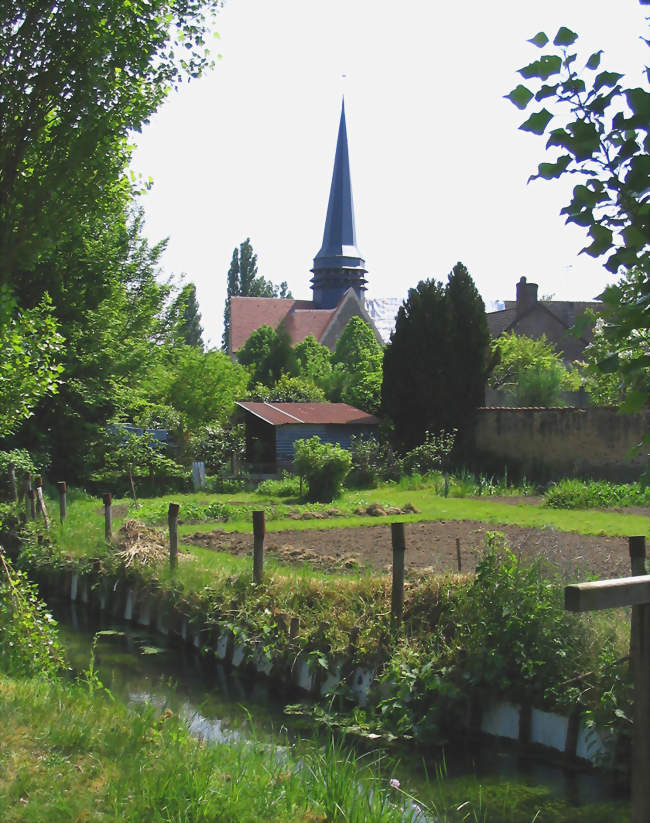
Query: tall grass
pixel 71 755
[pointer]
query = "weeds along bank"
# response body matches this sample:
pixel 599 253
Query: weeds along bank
pixel 464 642
pixel 71 752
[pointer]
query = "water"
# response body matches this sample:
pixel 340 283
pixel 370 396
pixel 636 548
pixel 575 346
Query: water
pixel 138 665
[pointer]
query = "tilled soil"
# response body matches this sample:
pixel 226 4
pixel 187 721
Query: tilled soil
pixel 431 545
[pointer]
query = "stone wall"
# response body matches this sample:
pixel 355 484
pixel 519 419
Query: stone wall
pixel 548 443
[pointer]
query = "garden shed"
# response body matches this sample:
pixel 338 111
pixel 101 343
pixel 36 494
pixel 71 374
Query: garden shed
pixel 273 428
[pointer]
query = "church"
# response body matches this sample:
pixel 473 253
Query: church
pixel 339 276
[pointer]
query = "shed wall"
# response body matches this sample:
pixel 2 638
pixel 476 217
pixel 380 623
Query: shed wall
pixel 285 437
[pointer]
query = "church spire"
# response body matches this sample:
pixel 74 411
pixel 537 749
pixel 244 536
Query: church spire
pixel 338 265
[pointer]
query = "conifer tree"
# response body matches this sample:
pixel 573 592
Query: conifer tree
pixel 437 361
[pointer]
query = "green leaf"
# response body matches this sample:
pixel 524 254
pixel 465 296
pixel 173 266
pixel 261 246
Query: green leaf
pixel 609 365
pixel 634 402
pixel 639 101
pixel 564 37
pixel 549 171
pixel 602 237
pixel 542 68
pixel 586 139
pixel 539 40
pixel 520 96
pixel 606 78
pixel 546 91
pixel 594 60
pixel 537 122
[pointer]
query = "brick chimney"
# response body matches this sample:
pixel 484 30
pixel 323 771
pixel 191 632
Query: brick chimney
pixel 526 296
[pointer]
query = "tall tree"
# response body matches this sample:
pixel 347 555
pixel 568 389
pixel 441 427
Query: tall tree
pixel 436 363
pixel 75 80
pixel 243 281
pixel 599 130
pixel 185 318
pixel 29 368
pixel 357 367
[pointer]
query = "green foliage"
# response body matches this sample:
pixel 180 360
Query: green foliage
pixel 201 386
pixel 20 459
pixel 590 494
pixel 431 455
pixel 215 445
pixel 437 361
pixel 28 638
pixel 324 465
pixel 314 360
pixel 29 367
pixel 288 389
pixel 372 461
pixel 529 371
pixel 136 455
pixel 503 633
pixel 268 355
pixel 287 486
pixel 185 318
pixel 68 112
pixel 243 281
pixel 357 362
pixel 602 134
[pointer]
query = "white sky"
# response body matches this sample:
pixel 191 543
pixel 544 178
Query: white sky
pixel 438 165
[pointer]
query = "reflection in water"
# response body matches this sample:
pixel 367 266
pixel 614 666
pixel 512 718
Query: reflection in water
pixel 138 666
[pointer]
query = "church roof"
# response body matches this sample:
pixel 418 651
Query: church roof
pixel 339 247
pixel 249 313
pixel 283 414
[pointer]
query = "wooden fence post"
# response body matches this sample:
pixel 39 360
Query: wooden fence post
pixel 259 530
pixel 397 596
pixel 12 478
pixel 38 483
pixel 29 498
pixel 61 486
pixel 172 520
pixel 640 660
pixel 458 555
pixel 108 516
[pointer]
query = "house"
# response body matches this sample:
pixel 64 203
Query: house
pixel 338 284
pixel 529 315
pixel 273 428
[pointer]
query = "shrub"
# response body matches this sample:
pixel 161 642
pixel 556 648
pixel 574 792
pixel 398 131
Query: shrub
pixel 432 454
pixel 287 486
pixel 372 461
pixel 324 465
pixel 28 638
pixel 581 494
pixel 215 445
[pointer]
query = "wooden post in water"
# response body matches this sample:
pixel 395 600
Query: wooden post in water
pixel 61 486
pixel 29 498
pixel 259 530
pixel 108 516
pixel 458 555
pixel 38 483
pixel 397 595
pixel 172 520
pixel 629 591
pixel 12 478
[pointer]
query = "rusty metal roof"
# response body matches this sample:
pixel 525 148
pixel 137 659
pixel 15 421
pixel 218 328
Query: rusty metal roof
pixel 283 414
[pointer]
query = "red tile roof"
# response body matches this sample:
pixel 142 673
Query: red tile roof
pixel 282 414
pixel 300 317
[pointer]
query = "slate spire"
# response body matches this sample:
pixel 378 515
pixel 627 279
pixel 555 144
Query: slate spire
pixel 338 265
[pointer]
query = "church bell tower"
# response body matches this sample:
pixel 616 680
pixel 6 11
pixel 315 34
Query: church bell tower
pixel 338 266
